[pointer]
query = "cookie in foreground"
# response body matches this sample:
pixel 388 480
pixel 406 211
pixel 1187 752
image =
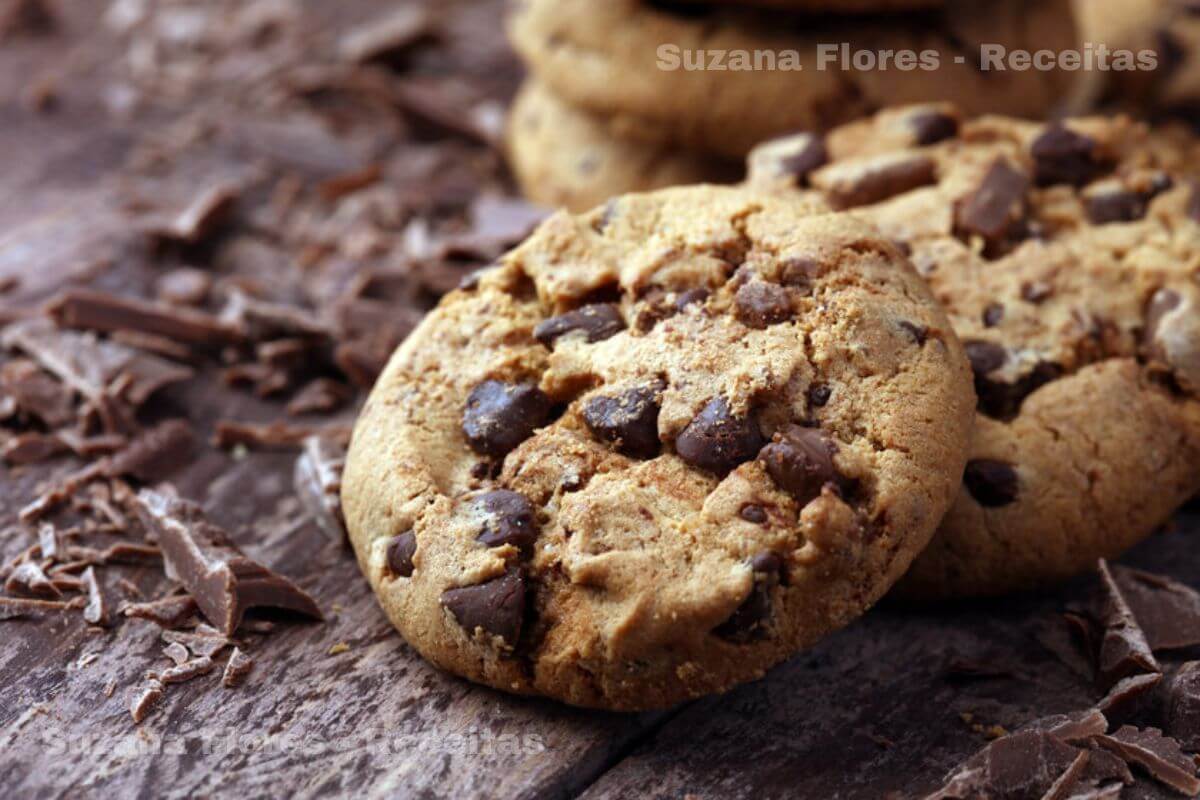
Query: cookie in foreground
pixel 662 446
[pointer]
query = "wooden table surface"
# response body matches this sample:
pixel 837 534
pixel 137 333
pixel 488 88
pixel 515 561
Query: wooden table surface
pixel 879 708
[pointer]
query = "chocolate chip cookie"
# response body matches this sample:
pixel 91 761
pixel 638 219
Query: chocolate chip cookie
pixel 685 74
pixel 660 447
pixel 563 157
pixel 1068 258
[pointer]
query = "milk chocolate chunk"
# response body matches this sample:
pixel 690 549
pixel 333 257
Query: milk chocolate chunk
pixel 1061 155
pixel 508 518
pixel 1167 611
pixel 991 482
pixel 400 551
pixel 219 577
pixel 1123 650
pixel 1159 755
pixel 318 483
pixel 759 304
pixel 593 323
pixel 499 416
pixel 1127 692
pixel 995 209
pixel 752 618
pixel 497 607
pixel 800 461
pixel 629 420
pixel 716 440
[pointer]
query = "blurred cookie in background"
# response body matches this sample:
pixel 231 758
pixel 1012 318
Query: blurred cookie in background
pixel 564 157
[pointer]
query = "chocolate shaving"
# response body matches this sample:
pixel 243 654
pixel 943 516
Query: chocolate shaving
pixel 1124 650
pixel 1182 706
pixel 1167 611
pixel 320 396
pixel 1023 764
pixel 270 436
pixel 29 579
pixel 48 540
pixel 222 580
pixel 14 607
pixel 1076 728
pixel 200 217
pixel 97 610
pixel 36 394
pixel 181 673
pixel 32 448
pixel 177 653
pixel 318 483
pixel 169 612
pixel 204 641
pixel 153 454
pixel 236 669
pixel 385 38
pixel 141 702
pixel 1126 692
pixel 108 313
pixel 259 320
pixel 1159 755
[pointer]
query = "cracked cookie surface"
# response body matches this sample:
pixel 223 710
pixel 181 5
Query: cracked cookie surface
pixel 660 447
pixel 1068 258
pixel 605 58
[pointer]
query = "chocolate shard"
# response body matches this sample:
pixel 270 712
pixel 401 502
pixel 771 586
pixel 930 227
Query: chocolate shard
pixel 181 673
pixel 1076 728
pixel 497 607
pixel 168 612
pixel 32 448
pixel 386 37
pixel 1167 611
pixel 29 579
pixel 1025 764
pixel 259 320
pixel 1125 693
pixel 109 313
pixel 236 669
pixel 17 607
pixel 1182 701
pixel 271 436
pixel 223 581
pixel 317 480
pixel 36 394
pixel 199 218
pixel 144 699
pixel 90 366
pixel 203 641
pixel 1124 651
pixel 177 653
pixel 153 454
pixel 1159 755
pixel 320 396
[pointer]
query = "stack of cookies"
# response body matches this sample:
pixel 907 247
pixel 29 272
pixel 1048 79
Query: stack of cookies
pixel 629 95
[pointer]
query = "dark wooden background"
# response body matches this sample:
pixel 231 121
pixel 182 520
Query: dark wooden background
pixel 882 709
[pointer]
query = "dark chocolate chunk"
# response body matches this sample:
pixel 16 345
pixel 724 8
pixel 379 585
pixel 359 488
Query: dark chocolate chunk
pixel 992 483
pixel 1126 693
pixel 1114 204
pixel 236 669
pixel 985 356
pixel 499 416
pixel 509 518
pixel 595 323
pixel 759 304
pixel 753 513
pixel 317 479
pixel 1061 155
pixel 1167 611
pixel 1182 712
pixel 717 441
pixel 221 579
pixel 880 179
pixel 1123 649
pixel 496 606
pixel 1159 755
pixel 809 154
pixel 1025 764
pixel 400 551
pixel 931 126
pixel 628 420
pixel 992 315
pixel 998 398
pixel 751 620
pixel 819 394
pixel 800 461
pixel 995 209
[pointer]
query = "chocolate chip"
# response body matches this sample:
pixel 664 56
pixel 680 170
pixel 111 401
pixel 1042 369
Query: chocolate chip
pixel 819 394
pixel 985 356
pixel 1003 400
pixel 995 209
pixel 992 483
pixel 858 184
pixel 930 127
pixel 809 154
pixel 690 297
pixel 1063 156
pixel 749 622
pixel 717 441
pixel 496 606
pixel 789 157
pixel 918 333
pixel 509 518
pixel 628 420
pixel 753 513
pixel 992 315
pixel 1115 206
pixel 400 551
pixel 1036 291
pixel 800 461
pixel 799 272
pixel 596 322
pixel 499 416
pixel 759 304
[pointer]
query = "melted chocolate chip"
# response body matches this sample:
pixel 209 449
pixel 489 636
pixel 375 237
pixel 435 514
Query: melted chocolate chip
pixel 800 461
pixel 992 315
pixel 596 322
pixel 930 127
pixel 628 420
pixel 759 304
pixel 992 483
pixel 499 416
pixel 750 621
pixel 400 551
pixel 985 356
pixel 510 519
pixel 753 513
pixel 717 441
pixel 1063 156
pixel 496 606
pixel 994 210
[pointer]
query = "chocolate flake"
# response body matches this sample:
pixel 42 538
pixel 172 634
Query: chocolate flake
pixel 1182 701
pixel 29 579
pixel 145 698
pixel 320 396
pixel 1025 764
pixel 236 669
pixel 153 454
pixel 177 652
pixel 1159 755
pixel 200 217
pixel 386 37
pixel 318 483
pixel 204 642
pixel 1126 692
pixel 168 612
pixel 222 580
pixel 108 313
pixel 97 610
pixel 1167 611
pixel 270 436
pixel 15 607
pixel 1124 650
pixel 181 673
